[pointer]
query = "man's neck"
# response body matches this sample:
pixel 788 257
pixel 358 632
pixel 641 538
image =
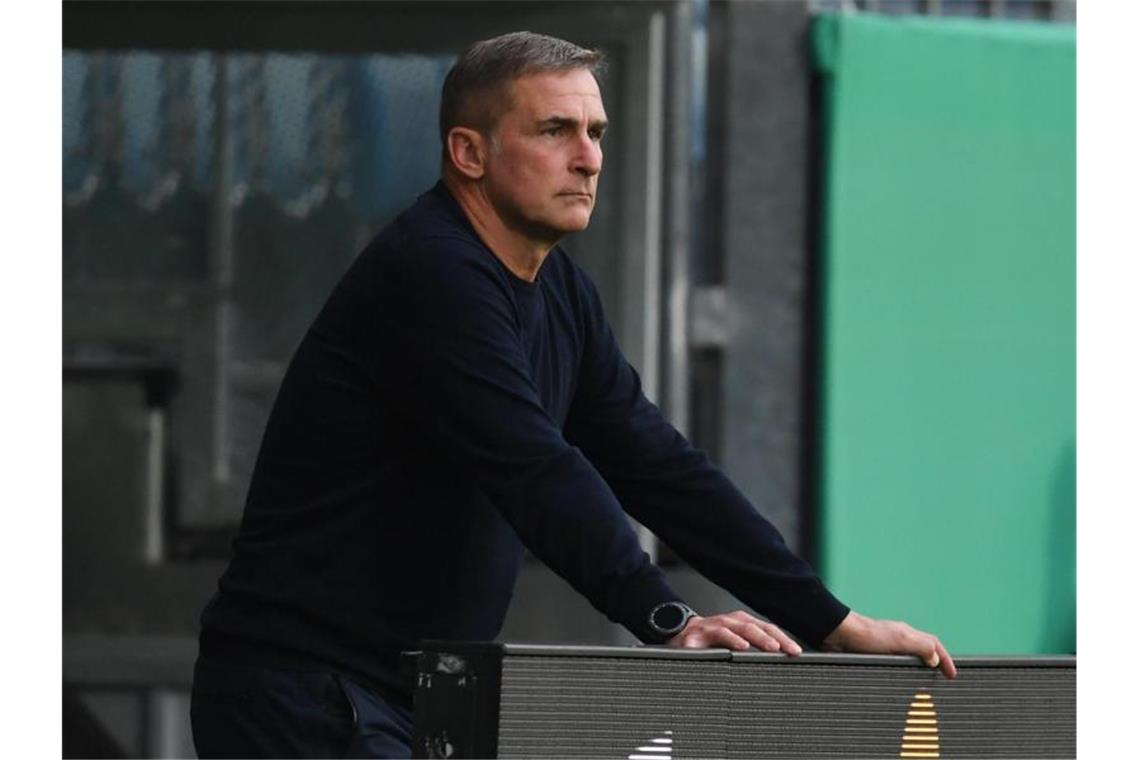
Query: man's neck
pixel 522 255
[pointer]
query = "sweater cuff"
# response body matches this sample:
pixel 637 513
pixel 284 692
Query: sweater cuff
pixel 637 598
pixel 816 614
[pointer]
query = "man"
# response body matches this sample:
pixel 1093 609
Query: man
pixel 459 397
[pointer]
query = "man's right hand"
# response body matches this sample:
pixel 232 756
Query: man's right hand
pixel 734 630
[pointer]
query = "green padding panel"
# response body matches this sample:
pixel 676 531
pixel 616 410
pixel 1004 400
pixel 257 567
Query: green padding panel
pixel 949 354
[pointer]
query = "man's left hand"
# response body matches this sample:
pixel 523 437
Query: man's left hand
pixel 865 635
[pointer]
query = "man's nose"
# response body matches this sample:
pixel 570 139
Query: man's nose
pixel 587 156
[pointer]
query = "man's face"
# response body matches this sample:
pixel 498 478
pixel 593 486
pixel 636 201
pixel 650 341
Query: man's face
pixel 542 171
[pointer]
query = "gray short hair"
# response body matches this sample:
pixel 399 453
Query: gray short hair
pixel 475 93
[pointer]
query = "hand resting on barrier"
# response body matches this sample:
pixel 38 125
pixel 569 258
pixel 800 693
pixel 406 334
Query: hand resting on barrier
pixel 734 630
pixel 860 634
pixel 857 634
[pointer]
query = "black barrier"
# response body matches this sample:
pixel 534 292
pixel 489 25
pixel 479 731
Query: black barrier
pixel 658 703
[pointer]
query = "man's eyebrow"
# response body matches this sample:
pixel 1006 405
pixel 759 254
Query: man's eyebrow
pixel 571 122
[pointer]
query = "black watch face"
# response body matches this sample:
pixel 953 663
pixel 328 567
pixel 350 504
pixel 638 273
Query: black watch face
pixel 669 617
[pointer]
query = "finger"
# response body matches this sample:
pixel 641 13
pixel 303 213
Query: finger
pixel 930 651
pixel 740 616
pixel 691 641
pixel 755 634
pixel 925 649
pixel 762 633
pixel 707 637
pixel 787 643
pixel 914 642
pixel 721 635
pixel 948 668
pixel 691 638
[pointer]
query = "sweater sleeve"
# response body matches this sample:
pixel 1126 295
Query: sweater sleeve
pixel 450 359
pixel 671 487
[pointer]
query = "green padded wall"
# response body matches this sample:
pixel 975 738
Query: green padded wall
pixel 948 408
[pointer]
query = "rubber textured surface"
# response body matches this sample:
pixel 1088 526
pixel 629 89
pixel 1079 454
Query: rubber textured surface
pixel 643 703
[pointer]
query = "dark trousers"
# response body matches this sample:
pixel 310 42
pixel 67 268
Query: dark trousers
pixel 238 711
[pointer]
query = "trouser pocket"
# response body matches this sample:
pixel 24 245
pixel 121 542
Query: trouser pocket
pixel 379 727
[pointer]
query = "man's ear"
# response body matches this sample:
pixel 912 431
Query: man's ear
pixel 467 149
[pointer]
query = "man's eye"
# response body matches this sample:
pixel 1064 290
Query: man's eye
pixel 552 131
pixel 596 134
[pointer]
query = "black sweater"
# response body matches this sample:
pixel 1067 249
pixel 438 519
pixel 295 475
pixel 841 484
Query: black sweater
pixel 441 414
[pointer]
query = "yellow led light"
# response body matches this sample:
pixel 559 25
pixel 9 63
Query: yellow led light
pixel 920 734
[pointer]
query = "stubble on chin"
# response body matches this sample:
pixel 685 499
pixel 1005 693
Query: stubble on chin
pixel 558 221
pixel 585 203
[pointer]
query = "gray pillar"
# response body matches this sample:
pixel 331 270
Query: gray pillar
pixel 766 131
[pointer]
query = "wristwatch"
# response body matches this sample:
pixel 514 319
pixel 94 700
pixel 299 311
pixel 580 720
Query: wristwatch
pixel 669 619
